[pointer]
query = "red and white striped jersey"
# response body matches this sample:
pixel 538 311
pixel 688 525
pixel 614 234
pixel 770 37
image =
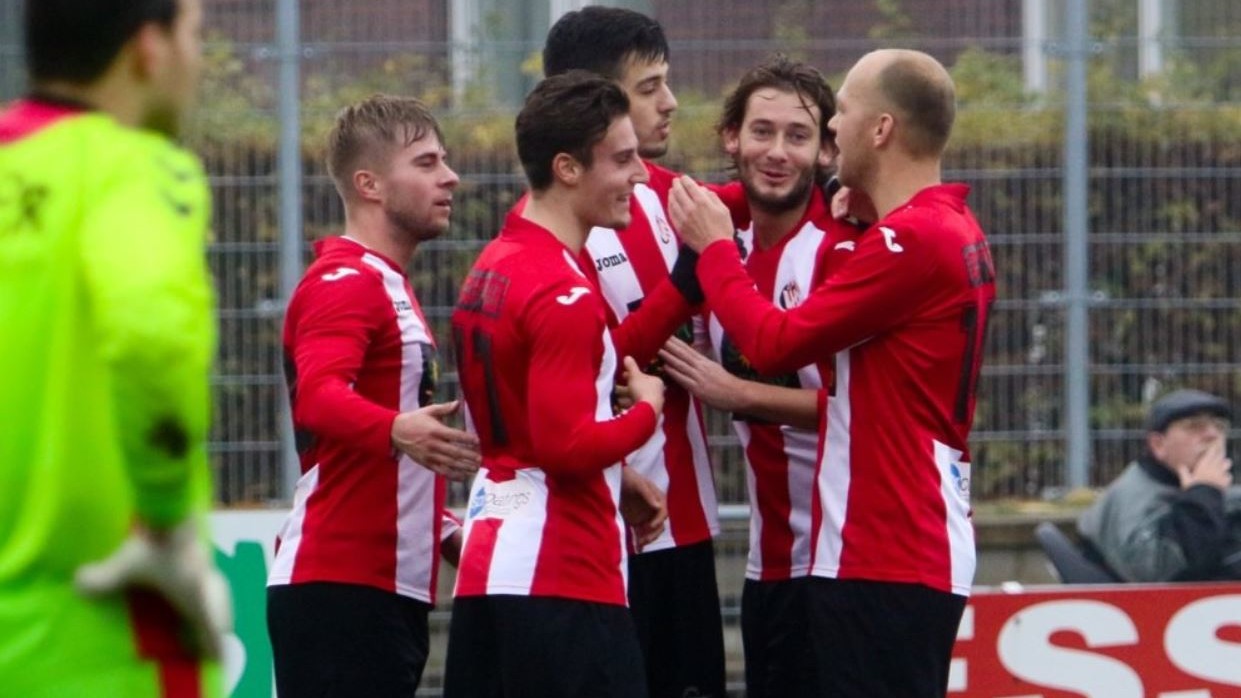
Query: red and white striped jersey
pixel 357 353
pixel 781 459
pixel 629 264
pixel 904 320
pixel 537 363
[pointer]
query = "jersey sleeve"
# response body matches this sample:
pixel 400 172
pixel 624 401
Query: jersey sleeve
pixel 877 289
pixel 150 307
pixel 644 331
pixel 328 339
pixel 569 402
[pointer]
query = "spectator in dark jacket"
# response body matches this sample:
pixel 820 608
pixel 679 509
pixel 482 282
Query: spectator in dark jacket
pixel 1174 514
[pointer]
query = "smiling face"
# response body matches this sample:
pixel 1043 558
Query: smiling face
pixel 651 104
pixel 606 186
pixel 777 149
pixel 415 188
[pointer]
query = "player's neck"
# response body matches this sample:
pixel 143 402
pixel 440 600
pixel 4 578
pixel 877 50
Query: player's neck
pixel 108 95
pixel 371 228
pixel 896 185
pixel 548 210
pixel 771 226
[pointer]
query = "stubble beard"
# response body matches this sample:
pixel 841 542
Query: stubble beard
pixel 795 198
pixel 414 228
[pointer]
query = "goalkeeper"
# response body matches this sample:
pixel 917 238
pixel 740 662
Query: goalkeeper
pixel 106 585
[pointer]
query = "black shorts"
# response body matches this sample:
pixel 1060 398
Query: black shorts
pixel 541 647
pixel 331 640
pixel 775 632
pixel 882 639
pixel 676 607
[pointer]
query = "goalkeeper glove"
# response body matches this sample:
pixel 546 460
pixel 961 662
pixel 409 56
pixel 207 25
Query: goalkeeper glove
pixel 174 564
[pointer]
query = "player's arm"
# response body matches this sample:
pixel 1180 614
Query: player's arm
pixel 572 429
pixel 711 383
pixel 878 288
pixel 150 311
pixel 332 318
pixel 644 331
pixel 875 290
pixel 150 308
pixel 451 537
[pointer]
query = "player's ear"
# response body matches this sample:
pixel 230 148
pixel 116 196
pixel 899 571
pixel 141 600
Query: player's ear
pixel 884 131
pixel 567 169
pixel 366 185
pixel 148 51
pixel 731 138
pixel 827 154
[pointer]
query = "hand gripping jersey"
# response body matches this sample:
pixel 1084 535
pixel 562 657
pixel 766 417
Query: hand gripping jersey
pixel 108 336
pixel 630 263
pixel 903 321
pixel 781 459
pixel 537 361
pixel 357 353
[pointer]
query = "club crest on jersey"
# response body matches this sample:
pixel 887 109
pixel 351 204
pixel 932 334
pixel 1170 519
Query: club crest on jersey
pixel 612 260
pixel 665 231
pixel 790 295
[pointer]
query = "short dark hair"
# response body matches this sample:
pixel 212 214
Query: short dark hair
pixel 371 128
pixel 926 100
pixel 600 40
pixel 566 113
pixel 76 40
pixel 787 75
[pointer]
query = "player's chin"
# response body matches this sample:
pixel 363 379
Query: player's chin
pixel 617 222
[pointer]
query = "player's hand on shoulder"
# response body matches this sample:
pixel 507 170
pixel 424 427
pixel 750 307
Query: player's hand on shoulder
pixel 698 214
pixel 853 207
pixel 643 387
pixel 422 435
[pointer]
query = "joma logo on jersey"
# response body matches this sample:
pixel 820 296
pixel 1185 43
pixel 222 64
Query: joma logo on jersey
pixel 613 260
pixel 402 306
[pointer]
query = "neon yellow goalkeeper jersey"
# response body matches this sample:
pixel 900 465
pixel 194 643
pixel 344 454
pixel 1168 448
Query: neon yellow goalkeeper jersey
pixel 106 340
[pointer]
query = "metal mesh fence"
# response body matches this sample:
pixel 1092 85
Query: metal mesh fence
pixel 1164 184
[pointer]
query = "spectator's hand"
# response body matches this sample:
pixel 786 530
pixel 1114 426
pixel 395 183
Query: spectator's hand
pixel 642 506
pixel 705 379
pixel 698 214
pixel 1211 468
pixel 421 435
pixel 176 565
pixel 643 387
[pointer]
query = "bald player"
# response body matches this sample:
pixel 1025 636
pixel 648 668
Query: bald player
pixel 902 322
